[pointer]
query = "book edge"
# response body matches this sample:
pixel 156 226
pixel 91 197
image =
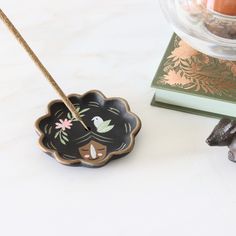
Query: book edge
pixel 188 110
pixel 195 94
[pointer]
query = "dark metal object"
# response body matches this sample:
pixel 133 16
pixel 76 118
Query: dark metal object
pixel 224 134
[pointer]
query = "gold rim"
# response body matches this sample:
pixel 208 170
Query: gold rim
pixel 57 156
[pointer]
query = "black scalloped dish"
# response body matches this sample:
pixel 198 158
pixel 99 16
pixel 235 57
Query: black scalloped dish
pixel 112 130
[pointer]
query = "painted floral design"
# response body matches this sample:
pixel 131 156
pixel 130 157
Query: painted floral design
pixel 62 126
pixel 187 69
pixel 65 124
pixel 112 130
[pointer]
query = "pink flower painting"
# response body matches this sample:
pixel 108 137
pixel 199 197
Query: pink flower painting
pixel 66 124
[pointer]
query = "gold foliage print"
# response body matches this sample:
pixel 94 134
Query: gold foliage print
pixel 193 71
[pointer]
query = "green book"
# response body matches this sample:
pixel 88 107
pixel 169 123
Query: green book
pixel 190 81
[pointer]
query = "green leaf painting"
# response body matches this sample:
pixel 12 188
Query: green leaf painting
pixel 63 126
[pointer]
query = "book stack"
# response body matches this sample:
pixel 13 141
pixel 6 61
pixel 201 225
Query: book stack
pixel 190 81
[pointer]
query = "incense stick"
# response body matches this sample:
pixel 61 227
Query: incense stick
pixel 42 68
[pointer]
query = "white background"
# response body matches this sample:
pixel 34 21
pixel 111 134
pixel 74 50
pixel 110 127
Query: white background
pixel 171 184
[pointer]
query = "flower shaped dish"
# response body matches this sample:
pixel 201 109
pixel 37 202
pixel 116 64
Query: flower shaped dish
pixel 112 130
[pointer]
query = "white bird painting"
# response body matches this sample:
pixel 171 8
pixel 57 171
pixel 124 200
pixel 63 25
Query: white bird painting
pixel 101 125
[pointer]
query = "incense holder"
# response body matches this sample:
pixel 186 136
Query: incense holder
pixel 112 130
pixel 224 134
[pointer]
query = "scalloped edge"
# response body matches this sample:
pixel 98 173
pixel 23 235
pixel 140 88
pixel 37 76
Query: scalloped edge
pixel 82 162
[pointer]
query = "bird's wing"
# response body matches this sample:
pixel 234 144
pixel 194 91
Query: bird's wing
pixel 104 126
pixel 105 129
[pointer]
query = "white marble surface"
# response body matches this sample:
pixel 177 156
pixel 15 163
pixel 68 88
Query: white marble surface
pixel 171 184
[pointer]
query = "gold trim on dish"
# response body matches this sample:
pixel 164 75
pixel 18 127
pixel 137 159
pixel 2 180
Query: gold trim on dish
pixel 94 163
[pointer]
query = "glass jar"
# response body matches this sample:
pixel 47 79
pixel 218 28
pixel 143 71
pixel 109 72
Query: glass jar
pixel 207 25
